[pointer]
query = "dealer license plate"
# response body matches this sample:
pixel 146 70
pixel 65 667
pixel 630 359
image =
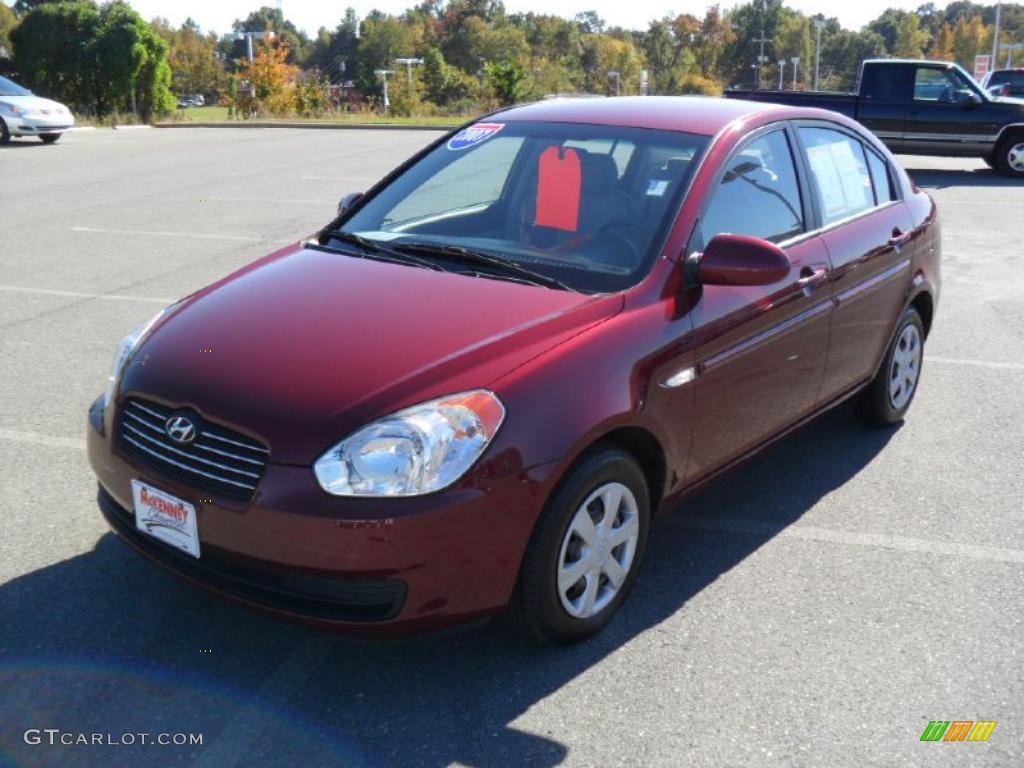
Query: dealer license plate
pixel 165 517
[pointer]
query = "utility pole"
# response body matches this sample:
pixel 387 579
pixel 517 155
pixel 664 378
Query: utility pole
pixel 761 58
pixel 819 24
pixel 995 37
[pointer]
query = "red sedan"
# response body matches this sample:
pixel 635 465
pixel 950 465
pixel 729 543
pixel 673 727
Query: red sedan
pixel 471 391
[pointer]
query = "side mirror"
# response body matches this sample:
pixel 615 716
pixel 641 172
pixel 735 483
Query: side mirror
pixel 973 98
pixel 348 201
pixel 739 260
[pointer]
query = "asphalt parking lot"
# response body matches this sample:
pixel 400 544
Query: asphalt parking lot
pixel 817 607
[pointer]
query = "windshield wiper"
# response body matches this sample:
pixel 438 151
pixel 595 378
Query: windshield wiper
pixel 375 250
pixel 469 256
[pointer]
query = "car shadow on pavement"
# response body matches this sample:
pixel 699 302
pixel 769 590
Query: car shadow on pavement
pixel 107 643
pixel 931 178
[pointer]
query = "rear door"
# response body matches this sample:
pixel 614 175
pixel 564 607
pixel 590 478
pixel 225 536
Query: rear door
pixel 760 349
pixel 867 232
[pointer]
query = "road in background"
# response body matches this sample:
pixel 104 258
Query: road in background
pixel 816 607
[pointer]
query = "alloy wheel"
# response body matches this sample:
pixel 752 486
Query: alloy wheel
pixel 1015 157
pixel 598 550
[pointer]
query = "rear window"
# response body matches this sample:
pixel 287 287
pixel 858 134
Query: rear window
pixel 1009 78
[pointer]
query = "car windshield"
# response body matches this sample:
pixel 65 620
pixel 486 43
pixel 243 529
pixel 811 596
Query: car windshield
pixel 584 205
pixel 1007 77
pixel 10 88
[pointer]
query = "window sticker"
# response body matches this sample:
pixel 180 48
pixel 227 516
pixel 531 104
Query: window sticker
pixel 559 181
pixel 657 187
pixel 473 135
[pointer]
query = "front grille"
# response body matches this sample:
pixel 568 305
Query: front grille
pixel 218 459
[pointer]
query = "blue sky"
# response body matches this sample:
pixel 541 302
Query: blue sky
pixel 310 15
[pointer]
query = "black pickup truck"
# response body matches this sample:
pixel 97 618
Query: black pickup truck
pixel 923 108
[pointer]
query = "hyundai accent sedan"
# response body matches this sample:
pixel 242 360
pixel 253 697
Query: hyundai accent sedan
pixel 470 392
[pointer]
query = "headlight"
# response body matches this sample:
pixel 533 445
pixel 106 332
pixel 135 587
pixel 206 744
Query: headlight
pixel 419 450
pixel 11 109
pixel 124 353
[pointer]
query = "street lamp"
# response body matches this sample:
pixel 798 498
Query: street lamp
pixel 819 24
pixel 408 66
pixel 782 72
pixel 383 74
pixel 796 67
pixel 615 73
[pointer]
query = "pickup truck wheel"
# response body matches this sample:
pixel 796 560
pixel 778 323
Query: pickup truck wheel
pixel 1010 156
pixel 989 161
pixel 585 550
pixel 888 397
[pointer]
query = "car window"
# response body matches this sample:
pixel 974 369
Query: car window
pixel 881 181
pixel 839 173
pixel 940 86
pixel 758 194
pixel 11 88
pixel 586 204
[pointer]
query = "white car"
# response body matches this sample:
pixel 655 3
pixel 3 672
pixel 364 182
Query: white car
pixel 24 114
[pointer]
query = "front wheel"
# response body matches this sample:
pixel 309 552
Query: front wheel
pixel 887 398
pixel 585 550
pixel 1009 157
pixel 50 138
pixel 5 135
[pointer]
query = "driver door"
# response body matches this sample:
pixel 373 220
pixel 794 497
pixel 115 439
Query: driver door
pixel 946 115
pixel 761 350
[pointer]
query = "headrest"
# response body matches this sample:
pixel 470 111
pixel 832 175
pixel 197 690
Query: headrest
pixel 599 173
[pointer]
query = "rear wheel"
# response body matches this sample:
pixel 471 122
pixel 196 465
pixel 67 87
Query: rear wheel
pixel 887 398
pixel 584 553
pixel 49 138
pixel 1009 157
pixel 5 135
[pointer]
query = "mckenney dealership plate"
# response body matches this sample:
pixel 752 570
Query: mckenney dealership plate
pixel 165 517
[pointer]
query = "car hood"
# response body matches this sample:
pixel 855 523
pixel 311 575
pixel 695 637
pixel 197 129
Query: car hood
pixel 304 346
pixel 34 103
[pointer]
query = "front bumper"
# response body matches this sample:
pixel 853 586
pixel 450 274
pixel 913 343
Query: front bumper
pixel 370 565
pixel 34 125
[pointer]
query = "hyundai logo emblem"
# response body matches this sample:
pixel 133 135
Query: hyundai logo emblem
pixel 180 430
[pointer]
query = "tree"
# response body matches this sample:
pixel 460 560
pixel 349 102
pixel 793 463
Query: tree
pixel 508 79
pixel 383 39
pixel 193 59
pixel 271 80
pixel 793 39
pixel 842 54
pixel 336 54
pixel 8 21
pixel 911 40
pixel 970 37
pixel 268 19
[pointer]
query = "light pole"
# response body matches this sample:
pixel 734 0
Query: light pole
pixel 995 36
pixel 819 24
pixel 615 73
pixel 782 72
pixel 408 66
pixel 796 67
pixel 383 74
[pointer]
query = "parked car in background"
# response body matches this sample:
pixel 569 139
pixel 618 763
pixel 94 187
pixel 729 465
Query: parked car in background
pixel 469 393
pixel 1005 82
pixel 22 113
pixel 923 108
pixel 191 101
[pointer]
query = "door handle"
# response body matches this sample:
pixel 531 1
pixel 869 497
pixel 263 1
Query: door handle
pixel 899 237
pixel 810 276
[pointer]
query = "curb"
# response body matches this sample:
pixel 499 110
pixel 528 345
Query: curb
pixel 333 126
pixel 131 127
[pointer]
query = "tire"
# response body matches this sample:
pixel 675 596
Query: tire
pixel 888 397
pixel 1009 156
pixel 50 138
pixel 5 135
pixel 545 611
pixel 989 161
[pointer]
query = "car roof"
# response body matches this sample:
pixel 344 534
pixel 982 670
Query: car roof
pixel 691 114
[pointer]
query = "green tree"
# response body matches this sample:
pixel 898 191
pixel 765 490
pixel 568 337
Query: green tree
pixel 194 62
pixel 911 40
pixel 508 79
pixel 8 21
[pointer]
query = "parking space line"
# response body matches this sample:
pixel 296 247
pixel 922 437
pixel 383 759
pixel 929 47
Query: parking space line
pixel 977 363
pixel 49 441
pixel 81 295
pixel 850 538
pixel 296 201
pixel 199 235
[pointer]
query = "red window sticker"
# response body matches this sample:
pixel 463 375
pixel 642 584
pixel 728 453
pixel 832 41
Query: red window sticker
pixel 558 189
